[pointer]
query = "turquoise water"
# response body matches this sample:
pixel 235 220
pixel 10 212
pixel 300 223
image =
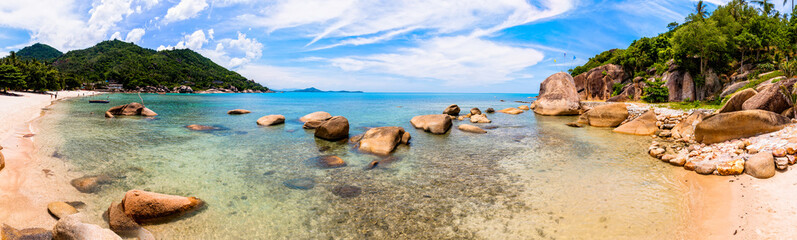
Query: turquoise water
pixel 529 177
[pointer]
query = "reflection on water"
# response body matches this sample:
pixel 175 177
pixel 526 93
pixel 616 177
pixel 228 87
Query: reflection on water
pixel 529 177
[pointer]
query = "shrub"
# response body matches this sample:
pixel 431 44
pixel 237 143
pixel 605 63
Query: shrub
pixel 655 92
pixel 788 68
pixel 766 67
pixel 617 88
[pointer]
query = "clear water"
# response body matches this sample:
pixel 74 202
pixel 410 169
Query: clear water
pixel 530 178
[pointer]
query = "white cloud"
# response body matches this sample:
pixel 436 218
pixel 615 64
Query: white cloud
pixel 135 35
pixel 184 10
pixel 233 53
pixel 116 36
pixel 461 60
pixel 106 13
pixel 210 33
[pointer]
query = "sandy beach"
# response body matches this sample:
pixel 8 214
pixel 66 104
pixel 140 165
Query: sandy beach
pixel 27 183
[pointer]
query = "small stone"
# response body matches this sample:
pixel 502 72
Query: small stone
pixel 779 152
pixel 574 124
pixel 791 159
pixel 752 149
pixel 665 133
pixel 689 165
pixel 667 157
pixel 347 191
pixel 300 183
pixel 60 209
pixel 734 167
pixel 668 125
pixel 656 152
pixel 678 161
pixel 490 110
pixel 791 149
pixel 238 111
pixel 328 161
pixel 781 163
pixel 705 168
pixel 90 184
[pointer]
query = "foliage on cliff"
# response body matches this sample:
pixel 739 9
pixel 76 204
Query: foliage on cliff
pixel 39 52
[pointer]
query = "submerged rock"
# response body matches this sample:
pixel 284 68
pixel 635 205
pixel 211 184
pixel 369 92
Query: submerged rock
pixel 318 116
pixel 490 110
pixel 60 209
pixel 347 191
pixel 334 129
pixel 143 206
pixel 436 123
pixel 383 140
pixel 90 184
pixel 470 128
pixel 197 127
pixel 327 161
pixel 523 107
pixel 513 111
pixel 760 165
pixel 452 110
pixel 300 183
pixel 10 233
pixel 574 124
pixel 238 111
pixel 746 123
pixel 558 96
pixel 271 120
pixel 645 124
pixel 70 228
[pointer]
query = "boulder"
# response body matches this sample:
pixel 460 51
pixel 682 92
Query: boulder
pixel 119 221
pixel 436 123
pixel 631 92
pixel 70 228
pixel 470 128
pixel 686 128
pixel 131 109
pixel 60 209
pixel 513 111
pixel 760 165
pixel 558 96
pixel 598 83
pixel 732 88
pixel 645 124
pixel 705 168
pixel 736 100
pixel 383 140
pixel 143 206
pixel 475 111
pixel 336 128
pixel 680 85
pixel 313 124
pixel 480 118
pixel 238 111
pixel 90 184
pixel 489 110
pixel 609 115
pixel 771 98
pixel 10 233
pixel 452 110
pixel 523 107
pixel 271 120
pixel 315 116
pixel 183 89
pixel 746 123
pixel 197 127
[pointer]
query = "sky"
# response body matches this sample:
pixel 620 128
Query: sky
pixel 367 45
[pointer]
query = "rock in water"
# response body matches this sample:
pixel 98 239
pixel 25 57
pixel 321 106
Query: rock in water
pixel 238 111
pixel 736 100
pixel 70 228
pixel 760 165
pixel 108 114
pixel 523 107
pixel 609 115
pixel 436 123
pixel 746 123
pixel 452 110
pixel 347 191
pixel 327 161
pixel 319 116
pixel 471 129
pixel 513 111
pixel 383 140
pixel 574 124
pixel 131 109
pixel 119 221
pixel 475 111
pixel 147 112
pixel 490 110
pixel 143 206
pixel 334 129
pixel 558 96
pixel 771 98
pixel 300 183
pixel 90 184
pixel 60 209
pixel 645 124
pixel 313 124
pixel 271 120
pixel 10 233
pixel 686 128
pixel 481 118
pixel 197 127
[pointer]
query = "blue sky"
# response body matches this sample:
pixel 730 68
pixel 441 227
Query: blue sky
pixel 369 45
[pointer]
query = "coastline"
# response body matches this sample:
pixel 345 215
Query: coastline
pixel 28 183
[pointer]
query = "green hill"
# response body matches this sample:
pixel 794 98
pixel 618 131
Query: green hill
pixel 39 52
pixel 134 66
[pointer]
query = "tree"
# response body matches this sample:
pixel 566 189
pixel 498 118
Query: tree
pixel 746 42
pixel 766 7
pixel 702 39
pixel 700 12
pixel 11 77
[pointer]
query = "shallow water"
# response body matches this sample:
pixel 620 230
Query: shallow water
pixel 532 177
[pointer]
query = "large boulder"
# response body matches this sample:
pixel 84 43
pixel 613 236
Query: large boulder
pixel 70 228
pixel 645 124
pixel 598 83
pixel 10 233
pixel 452 110
pixel 131 109
pixel 143 206
pixel 686 128
pixel 558 96
pixel 609 115
pixel 680 85
pixel 760 165
pixel 736 100
pixel 746 123
pixel 118 221
pixel 771 98
pixel 317 116
pixel 271 120
pixel 435 123
pixel 336 128
pixel 238 111
pixel 383 140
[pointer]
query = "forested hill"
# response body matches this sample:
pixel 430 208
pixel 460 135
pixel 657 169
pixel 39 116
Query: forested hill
pixel 39 52
pixel 135 66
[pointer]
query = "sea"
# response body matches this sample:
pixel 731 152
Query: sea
pixel 528 177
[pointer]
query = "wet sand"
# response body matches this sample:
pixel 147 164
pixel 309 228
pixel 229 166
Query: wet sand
pixel 27 183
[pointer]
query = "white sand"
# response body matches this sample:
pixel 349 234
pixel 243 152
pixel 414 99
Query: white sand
pixel 19 110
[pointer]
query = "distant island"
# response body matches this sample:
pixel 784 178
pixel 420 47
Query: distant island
pixel 313 89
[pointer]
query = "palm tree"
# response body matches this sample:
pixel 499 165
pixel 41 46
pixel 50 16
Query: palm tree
pixel 792 4
pixel 700 10
pixel 765 5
